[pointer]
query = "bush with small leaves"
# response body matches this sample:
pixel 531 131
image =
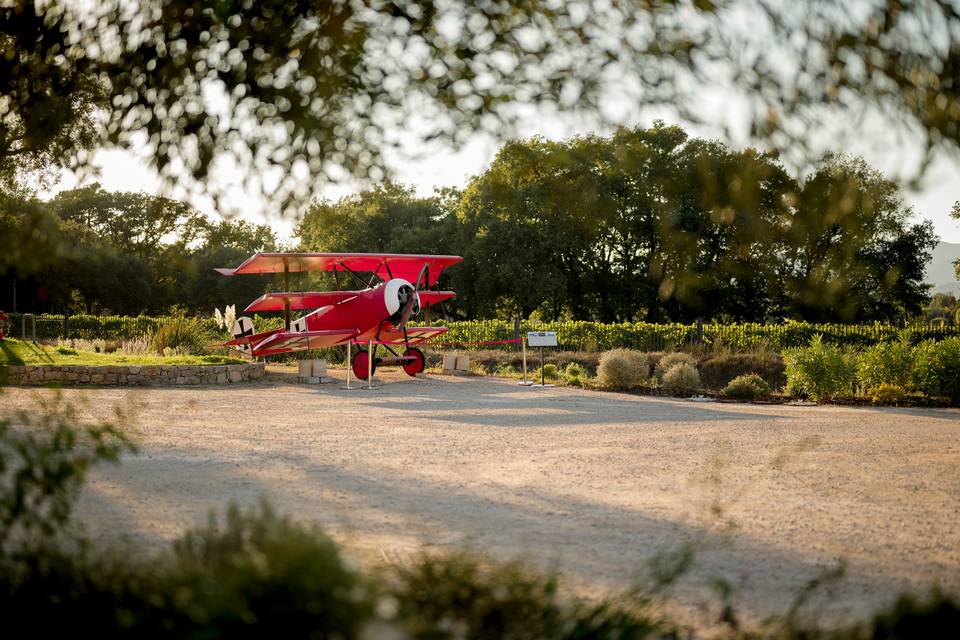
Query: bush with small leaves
pixel 668 361
pixel 888 395
pixel 622 369
pixel 550 372
pixel 505 370
pixel 886 363
pixel 575 374
pixel 181 335
pixel 681 379
pixel 748 387
pixel 937 368
pixel 820 371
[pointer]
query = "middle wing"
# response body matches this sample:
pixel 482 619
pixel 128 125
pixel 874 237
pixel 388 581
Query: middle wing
pixel 304 300
pixel 414 334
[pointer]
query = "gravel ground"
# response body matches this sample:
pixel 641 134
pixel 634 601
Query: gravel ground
pixel 594 484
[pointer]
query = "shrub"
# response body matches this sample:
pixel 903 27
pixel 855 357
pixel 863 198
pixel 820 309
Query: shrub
pixel 888 395
pixel 622 369
pixel 550 372
pixel 886 363
pixel 463 596
pixel 820 371
pixel 937 368
pixel 575 374
pixel 263 567
pixel 668 361
pixel 716 371
pixel 180 335
pixel 504 369
pixel 748 387
pixel 681 378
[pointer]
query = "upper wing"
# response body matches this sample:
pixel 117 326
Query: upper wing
pixel 397 265
pixel 284 341
pixel 305 300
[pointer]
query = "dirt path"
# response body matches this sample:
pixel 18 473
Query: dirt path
pixel 593 483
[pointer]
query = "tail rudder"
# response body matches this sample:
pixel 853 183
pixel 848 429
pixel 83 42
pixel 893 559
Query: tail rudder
pixel 243 334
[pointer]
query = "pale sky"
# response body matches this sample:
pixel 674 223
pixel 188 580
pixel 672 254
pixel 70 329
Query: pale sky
pixel 443 166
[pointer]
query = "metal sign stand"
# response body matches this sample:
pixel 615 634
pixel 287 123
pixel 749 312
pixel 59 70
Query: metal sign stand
pixel 542 339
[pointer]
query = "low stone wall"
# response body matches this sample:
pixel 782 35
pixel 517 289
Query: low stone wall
pixel 134 375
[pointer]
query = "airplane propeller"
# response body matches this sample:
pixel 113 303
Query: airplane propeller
pixel 411 298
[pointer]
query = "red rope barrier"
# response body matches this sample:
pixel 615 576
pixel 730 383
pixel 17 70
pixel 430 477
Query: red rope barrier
pixel 440 344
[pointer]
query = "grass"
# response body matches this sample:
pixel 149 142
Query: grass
pixel 19 352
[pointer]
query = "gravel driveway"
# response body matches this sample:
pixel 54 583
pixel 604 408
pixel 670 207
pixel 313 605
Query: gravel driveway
pixel 595 484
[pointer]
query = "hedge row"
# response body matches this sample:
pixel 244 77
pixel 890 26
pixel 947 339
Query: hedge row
pixel 643 336
pixel 572 335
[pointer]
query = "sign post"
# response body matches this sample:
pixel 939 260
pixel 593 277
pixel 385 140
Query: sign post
pixel 542 339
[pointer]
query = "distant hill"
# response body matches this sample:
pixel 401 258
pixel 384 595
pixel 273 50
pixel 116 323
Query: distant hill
pixel 940 271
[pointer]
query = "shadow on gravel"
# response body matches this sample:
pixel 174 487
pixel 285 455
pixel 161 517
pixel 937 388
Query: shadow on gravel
pixel 593 543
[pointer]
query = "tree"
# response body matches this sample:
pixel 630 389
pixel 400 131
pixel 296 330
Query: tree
pixel 854 253
pixel 387 219
pixel 955 214
pixel 134 223
pixel 195 285
pixel 719 245
pixel 528 226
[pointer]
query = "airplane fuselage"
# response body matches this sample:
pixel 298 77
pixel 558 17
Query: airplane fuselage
pixel 370 310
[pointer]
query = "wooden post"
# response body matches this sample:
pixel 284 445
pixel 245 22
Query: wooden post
pixel 523 343
pixel 349 367
pixel 286 300
pixel 370 366
pixel 516 328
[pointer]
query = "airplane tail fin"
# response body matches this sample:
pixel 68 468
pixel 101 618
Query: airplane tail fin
pixel 243 335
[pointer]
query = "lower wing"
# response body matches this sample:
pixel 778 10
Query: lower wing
pixel 414 334
pixel 285 341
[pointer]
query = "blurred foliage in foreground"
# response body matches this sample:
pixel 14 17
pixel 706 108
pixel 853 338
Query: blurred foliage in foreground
pixel 257 574
pixel 295 94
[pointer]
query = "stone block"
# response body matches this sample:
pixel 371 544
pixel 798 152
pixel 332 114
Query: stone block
pixel 449 362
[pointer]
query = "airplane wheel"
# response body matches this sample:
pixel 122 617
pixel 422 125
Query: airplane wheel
pixel 414 367
pixel 360 364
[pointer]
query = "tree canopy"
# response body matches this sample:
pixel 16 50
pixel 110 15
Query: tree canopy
pixel 648 224
pixel 295 93
pixel 126 253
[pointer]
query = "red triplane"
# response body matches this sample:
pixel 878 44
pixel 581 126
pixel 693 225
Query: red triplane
pixel 378 312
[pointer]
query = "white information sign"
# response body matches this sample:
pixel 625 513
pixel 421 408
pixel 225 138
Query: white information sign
pixel 542 338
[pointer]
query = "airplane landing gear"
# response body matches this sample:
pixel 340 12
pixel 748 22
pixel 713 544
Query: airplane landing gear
pixel 360 365
pixel 416 363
